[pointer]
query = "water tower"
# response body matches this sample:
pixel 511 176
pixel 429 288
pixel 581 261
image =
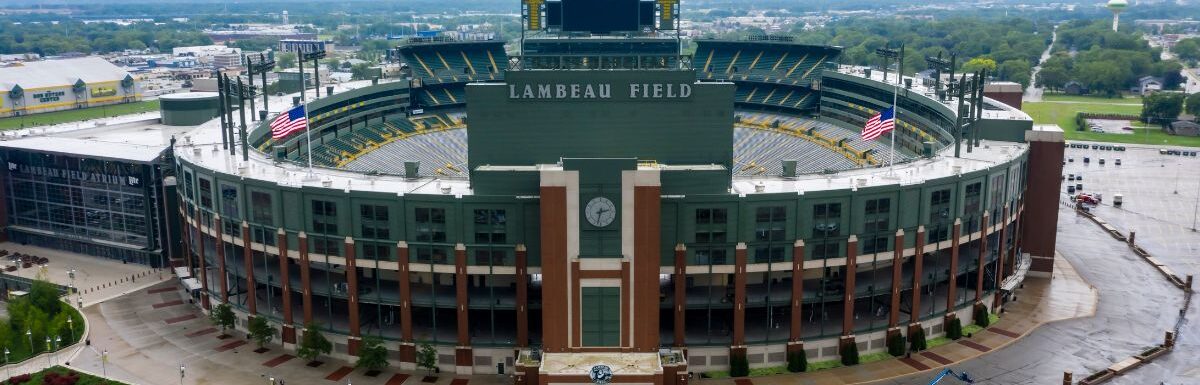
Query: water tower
pixel 285 16
pixel 1116 6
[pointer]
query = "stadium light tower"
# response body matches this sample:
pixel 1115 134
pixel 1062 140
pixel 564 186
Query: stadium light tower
pixel 889 55
pixel 1117 6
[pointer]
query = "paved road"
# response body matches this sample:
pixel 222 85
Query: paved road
pixel 1033 93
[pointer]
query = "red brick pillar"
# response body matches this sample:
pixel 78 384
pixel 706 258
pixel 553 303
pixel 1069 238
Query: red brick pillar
pixel 1043 185
pixel 739 302
pixel 1001 250
pixel 795 340
pixel 355 340
pixel 897 266
pixel 680 298
pixel 408 350
pixel 219 232
pixel 522 265
pixel 952 290
pixel 4 207
pixel 288 332
pixel 848 302
pixel 187 235
pixel 199 243
pixel 248 262
pixel 305 279
pixel 463 358
pixel 914 316
pixel 983 246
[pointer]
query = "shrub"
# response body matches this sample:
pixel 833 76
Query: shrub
pixel 19 379
pixel 896 345
pixel 371 354
pixel 797 362
pixel 982 317
pixel 55 378
pixel 739 366
pixel 954 329
pixel 916 340
pixel 850 354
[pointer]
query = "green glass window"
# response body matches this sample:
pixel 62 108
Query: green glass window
pixel 601 308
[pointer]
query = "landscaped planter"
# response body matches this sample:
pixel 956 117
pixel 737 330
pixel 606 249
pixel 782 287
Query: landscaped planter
pixel 1098 378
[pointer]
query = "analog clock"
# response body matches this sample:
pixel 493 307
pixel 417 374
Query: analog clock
pixel 600 211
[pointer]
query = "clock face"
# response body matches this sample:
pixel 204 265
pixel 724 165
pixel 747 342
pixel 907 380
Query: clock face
pixel 600 211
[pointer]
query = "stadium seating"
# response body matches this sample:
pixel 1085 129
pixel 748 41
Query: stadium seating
pixel 761 61
pixel 455 62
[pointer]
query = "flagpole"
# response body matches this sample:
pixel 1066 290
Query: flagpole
pixel 895 126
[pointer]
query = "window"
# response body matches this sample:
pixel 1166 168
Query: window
pixel 769 225
pixel 872 244
pixel 188 186
pixel 877 216
pixel 601 310
pixel 997 202
pixel 431 224
pixel 260 208
pixel 939 215
pixel 206 198
pixel 374 221
pixel 377 251
pixel 229 201
pixel 491 226
pixel 825 250
pixel 827 219
pixel 972 206
pixel 324 217
pixel 710 225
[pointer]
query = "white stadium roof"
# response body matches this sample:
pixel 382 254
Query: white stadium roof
pixel 60 73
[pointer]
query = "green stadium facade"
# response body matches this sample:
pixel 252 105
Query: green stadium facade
pixel 610 199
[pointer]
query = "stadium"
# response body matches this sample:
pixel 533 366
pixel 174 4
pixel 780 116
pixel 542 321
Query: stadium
pixel 598 198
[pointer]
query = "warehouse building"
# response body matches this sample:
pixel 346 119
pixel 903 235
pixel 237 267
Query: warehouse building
pixel 54 85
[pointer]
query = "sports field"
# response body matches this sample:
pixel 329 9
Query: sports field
pixel 67 116
pixel 1061 110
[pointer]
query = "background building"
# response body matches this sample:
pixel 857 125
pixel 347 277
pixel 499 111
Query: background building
pixel 52 85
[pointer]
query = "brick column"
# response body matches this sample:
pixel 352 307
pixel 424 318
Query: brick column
pixel 738 348
pixel 1043 184
pixel 305 279
pixel 680 295
pixel 199 243
pixel 897 266
pixel 288 332
pixel 952 290
pixel 1001 249
pixel 248 262
pixel 522 265
pixel 914 315
pixel 463 359
pixel 795 339
pixel 851 270
pixel 219 230
pixel 187 235
pixel 983 243
pixel 408 350
pixel 352 297
pixel 848 301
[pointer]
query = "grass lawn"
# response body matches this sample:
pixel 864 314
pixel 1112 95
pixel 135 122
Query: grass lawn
pixel 1063 114
pixel 874 357
pixel 76 115
pixel 933 343
pixel 1091 99
pixel 822 365
pixel 84 379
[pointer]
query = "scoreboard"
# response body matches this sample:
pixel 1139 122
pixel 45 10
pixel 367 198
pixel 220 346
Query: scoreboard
pixel 600 16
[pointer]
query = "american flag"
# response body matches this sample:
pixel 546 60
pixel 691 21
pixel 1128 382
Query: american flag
pixel 289 122
pixel 880 124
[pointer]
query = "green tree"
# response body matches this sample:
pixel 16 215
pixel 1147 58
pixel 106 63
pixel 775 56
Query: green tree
pixel 285 60
pixel 223 317
pixel 361 71
pixel 261 331
pixel 371 354
pixel 1015 70
pixel 895 345
pixel 1187 49
pixel 976 64
pixel 1162 107
pixel 954 329
pixel 333 64
pixel 427 357
pixel 916 340
pixel 849 354
pixel 313 344
pixel 739 365
pixel 1192 104
pixel 982 318
pixel 1053 77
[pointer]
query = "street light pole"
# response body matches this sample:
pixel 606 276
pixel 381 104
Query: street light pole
pixel 180 374
pixel 71 325
pixel 47 352
pixel 9 370
pixel 104 363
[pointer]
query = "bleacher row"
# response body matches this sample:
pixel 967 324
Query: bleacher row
pixel 347 145
pixel 456 62
pixel 440 153
pixel 767 62
pixel 440 96
pixel 759 152
pixel 800 98
pixel 820 130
